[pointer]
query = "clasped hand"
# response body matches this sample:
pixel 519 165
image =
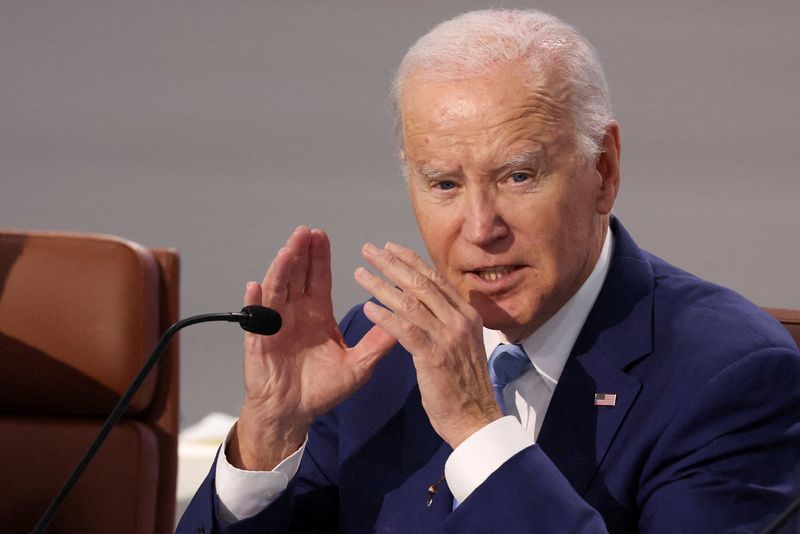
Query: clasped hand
pixel 306 368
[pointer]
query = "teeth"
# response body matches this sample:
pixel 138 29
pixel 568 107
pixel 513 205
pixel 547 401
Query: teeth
pixel 495 273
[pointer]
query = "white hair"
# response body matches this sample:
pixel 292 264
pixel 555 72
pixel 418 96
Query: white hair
pixel 474 43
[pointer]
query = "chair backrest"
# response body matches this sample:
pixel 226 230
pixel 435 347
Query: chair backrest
pixel 790 319
pixel 79 314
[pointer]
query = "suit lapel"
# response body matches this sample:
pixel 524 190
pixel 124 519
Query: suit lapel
pixel 405 508
pixel 576 434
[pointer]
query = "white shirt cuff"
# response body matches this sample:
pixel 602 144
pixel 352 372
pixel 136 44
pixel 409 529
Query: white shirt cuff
pixel 481 454
pixel 242 494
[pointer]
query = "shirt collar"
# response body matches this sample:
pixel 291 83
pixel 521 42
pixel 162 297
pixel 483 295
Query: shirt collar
pixel 551 344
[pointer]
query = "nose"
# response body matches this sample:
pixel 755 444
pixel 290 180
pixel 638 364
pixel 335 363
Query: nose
pixel 482 223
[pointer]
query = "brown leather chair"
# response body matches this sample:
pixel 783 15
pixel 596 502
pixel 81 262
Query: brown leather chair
pixel 789 318
pixel 79 314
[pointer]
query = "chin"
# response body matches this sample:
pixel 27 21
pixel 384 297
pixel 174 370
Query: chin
pixel 496 316
pixel 515 319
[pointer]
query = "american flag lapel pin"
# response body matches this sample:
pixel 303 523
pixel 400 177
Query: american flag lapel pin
pixel 605 399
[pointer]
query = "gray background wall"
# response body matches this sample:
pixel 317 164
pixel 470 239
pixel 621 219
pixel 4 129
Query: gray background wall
pixel 217 127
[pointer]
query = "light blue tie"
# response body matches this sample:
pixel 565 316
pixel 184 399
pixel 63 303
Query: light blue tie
pixel 506 364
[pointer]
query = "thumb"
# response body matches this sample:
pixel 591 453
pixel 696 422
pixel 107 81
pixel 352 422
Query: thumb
pixel 372 347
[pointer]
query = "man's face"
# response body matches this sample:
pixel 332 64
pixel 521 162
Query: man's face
pixel 510 213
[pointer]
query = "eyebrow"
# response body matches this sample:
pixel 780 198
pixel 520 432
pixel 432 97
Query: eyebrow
pixel 430 173
pixel 529 156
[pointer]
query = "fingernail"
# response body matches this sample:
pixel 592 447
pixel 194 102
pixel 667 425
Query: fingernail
pixel 363 273
pixel 391 246
pixel 370 249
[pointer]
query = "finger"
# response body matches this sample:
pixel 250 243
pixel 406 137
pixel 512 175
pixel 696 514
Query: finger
pixel 414 339
pixel 404 304
pixel 415 284
pixel 318 282
pixel 413 260
pixel 275 286
pixel 299 243
pixel 252 294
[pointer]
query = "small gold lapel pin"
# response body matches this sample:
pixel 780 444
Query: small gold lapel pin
pixel 433 489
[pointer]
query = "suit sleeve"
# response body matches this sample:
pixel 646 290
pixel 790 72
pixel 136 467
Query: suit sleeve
pixel 731 463
pixel 527 494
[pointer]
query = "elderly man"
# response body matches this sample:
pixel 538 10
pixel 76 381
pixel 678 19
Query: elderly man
pixel 622 394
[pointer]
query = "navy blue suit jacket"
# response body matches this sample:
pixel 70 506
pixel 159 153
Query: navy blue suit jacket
pixel 704 436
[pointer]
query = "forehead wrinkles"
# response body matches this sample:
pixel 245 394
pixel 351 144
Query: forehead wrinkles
pixel 549 106
pixel 484 115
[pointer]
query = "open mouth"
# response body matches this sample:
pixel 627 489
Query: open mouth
pixel 493 274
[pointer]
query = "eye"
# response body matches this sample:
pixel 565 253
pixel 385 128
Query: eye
pixel 519 177
pixel 444 185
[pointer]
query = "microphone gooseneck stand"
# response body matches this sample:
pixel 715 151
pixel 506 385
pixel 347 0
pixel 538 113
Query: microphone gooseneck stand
pixel 256 319
pixel 783 519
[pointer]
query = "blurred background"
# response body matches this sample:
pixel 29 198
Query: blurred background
pixel 217 127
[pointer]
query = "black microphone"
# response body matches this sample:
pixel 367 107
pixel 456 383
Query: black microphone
pixel 259 320
pixel 256 319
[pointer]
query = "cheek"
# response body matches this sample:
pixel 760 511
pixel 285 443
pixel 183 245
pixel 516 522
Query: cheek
pixel 437 235
pixel 536 226
pixel 543 237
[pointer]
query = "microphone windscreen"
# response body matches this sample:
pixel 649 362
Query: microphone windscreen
pixel 261 320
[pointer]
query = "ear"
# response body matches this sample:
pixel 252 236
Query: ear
pixel 608 169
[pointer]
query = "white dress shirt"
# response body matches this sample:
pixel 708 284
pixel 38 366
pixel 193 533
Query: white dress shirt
pixel 242 494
